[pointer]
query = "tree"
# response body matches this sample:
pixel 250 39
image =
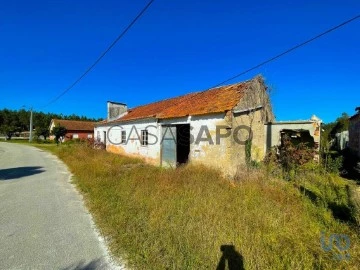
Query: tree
pixel 23 119
pixel 342 124
pixel 8 130
pixel 330 129
pixel 42 131
pixel 59 132
pixel 13 121
pixel 9 123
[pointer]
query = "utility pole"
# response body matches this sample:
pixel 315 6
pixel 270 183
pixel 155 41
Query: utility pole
pixel 31 124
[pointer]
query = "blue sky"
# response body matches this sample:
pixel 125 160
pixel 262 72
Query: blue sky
pixel 178 47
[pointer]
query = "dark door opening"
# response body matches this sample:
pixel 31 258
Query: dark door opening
pixel 183 143
pixel 297 136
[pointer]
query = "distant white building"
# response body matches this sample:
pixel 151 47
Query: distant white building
pixel 342 140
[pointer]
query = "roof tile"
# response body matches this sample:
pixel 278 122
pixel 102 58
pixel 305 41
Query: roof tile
pixel 215 100
pixel 75 125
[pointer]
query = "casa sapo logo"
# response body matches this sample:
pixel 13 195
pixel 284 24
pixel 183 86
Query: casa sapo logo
pixel 337 244
pixel 240 134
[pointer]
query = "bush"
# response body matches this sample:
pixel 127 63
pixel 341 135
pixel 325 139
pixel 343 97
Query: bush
pixel 288 158
pixel 95 144
pixel 292 156
pixel 333 164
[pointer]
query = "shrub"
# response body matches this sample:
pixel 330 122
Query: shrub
pixel 291 156
pixel 95 144
pixel 333 164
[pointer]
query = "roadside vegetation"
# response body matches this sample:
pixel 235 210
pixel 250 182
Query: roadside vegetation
pixel 335 159
pixel 15 122
pixel 194 218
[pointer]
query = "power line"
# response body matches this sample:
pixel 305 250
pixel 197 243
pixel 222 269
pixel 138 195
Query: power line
pixel 289 50
pixel 103 54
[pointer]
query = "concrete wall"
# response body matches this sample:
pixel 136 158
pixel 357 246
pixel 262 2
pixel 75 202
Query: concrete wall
pixel 132 147
pixel 203 152
pixel 208 150
pixel 252 112
pixel 255 123
pixel 115 110
pixel 273 131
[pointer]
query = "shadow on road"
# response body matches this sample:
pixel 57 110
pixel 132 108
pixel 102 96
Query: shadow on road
pixel 18 172
pixel 93 265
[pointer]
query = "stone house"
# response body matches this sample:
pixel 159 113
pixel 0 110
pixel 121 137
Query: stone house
pixel 211 127
pixel 354 132
pixel 75 129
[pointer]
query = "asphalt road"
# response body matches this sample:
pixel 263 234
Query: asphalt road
pixel 43 222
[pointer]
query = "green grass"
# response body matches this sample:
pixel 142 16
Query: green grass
pixel 178 219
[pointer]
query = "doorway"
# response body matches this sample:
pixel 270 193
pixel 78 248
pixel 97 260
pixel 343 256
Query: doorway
pixel 183 143
pixel 175 146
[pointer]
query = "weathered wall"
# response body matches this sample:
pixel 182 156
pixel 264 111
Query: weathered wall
pixel 354 134
pixel 255 125
pixel 98 133
pixel 216 151
pixel 252 112
pixel 273 131
pixel 115 110
pixel 132 147
pixel 205 150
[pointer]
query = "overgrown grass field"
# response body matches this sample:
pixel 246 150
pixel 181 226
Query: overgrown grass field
pixel 159 218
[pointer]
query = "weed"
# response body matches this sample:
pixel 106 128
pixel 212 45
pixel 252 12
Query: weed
pixel 160 218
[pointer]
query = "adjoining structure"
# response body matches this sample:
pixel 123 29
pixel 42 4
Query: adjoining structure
pixel 75 129
pixel 300 131
pixel 210 127
pixel 354 133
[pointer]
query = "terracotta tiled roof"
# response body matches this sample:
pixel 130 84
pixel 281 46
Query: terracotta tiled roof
pixel 215 100
pixel 75 125
pixel 102 121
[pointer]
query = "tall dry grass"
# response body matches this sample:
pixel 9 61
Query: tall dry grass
pixel 159 218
